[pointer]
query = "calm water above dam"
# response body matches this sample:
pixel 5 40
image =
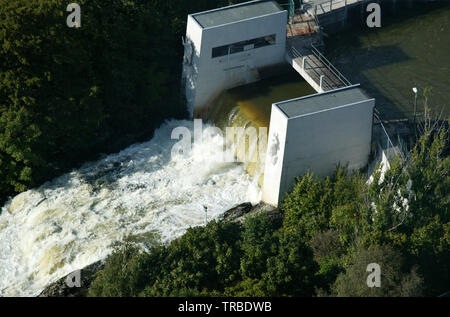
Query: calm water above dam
pixel 411 49
pixel 251 104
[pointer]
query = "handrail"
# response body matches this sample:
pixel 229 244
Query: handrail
pixel 330 66
pixel 326 1
pixel 316 19
pixel 390 144
pixel 396 150
pixel 296 54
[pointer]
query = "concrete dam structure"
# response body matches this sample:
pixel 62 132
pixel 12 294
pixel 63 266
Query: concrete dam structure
pixel 226 48
pixel 231 46
pixel 314 133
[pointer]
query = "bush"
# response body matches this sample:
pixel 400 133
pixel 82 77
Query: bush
pixel 201 262
pixel 258 244
pixel 213 261
pixel 394 281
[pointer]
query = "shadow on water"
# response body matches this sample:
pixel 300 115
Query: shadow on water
pixel 409 50
pixel 369 60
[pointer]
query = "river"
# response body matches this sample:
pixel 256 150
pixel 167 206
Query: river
pixel 411 49
pixel 146 195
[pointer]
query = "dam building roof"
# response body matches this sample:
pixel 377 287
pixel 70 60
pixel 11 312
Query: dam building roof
pixel 322 101
pixel 236 13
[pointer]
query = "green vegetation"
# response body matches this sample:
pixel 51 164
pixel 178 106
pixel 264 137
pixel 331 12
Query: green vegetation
pixel 332 229
pixel 67 94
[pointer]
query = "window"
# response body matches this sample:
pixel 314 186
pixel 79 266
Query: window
pixel 243 46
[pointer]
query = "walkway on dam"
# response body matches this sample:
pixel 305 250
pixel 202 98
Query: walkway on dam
pixel 303 37
pixel 307 60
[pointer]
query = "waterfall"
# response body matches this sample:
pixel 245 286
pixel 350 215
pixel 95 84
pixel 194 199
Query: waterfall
pixel 142 194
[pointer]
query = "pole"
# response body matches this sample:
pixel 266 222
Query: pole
pixel 415 108
pixel 291 11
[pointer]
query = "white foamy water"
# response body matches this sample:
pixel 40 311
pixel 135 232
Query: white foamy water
pixel 141 192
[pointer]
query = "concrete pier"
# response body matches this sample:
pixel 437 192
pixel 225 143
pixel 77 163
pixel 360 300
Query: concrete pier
pixel 315 133
pixel 225 47
pixel 304 36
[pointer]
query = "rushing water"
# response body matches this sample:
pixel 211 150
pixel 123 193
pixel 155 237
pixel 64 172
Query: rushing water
pixel 146 195
pixel 253 102
pixel 411 49
pixel 142 194
pixel 250 106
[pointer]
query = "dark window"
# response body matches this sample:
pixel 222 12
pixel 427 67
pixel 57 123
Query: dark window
pixel 243 46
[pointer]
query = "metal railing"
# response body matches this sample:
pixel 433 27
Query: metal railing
pixel 325 82
pixel 295 52
pixel 324 3
pixel 385 141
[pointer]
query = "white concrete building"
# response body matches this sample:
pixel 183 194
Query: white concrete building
pixel 315 133
pixel 227 47
pixel 230 46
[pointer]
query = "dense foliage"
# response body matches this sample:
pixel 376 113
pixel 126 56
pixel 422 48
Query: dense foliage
pixel 332 229
pixel 219 259
pixel 67 94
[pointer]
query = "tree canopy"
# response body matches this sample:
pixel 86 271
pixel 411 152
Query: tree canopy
pixel 333 228
pixel 68 94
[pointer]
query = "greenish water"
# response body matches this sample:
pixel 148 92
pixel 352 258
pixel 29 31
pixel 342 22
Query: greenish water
pixel 411 49
pixel 251 104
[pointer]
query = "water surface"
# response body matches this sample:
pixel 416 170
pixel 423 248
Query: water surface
pixel 411 49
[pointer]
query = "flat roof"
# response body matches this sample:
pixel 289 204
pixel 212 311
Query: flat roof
pixel 323 101
pixel 236 13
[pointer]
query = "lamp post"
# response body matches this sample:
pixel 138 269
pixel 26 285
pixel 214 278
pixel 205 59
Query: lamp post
pixel 415 108
pixel 206 214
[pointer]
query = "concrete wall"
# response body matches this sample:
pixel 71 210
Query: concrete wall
pixel 209 76
pixel 317 142
pixel 275 156
pixel 191 60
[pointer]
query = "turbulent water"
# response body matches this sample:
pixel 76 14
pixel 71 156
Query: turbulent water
pixel 145 195
pixel 142 194
pixel 250 106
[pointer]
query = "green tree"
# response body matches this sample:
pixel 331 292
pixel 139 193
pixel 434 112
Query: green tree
pixel 412 209
pixel 258 244
pixel 394 280
pixel 308 206
pixel 292 270
pixel 67 94
pixel 127 271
